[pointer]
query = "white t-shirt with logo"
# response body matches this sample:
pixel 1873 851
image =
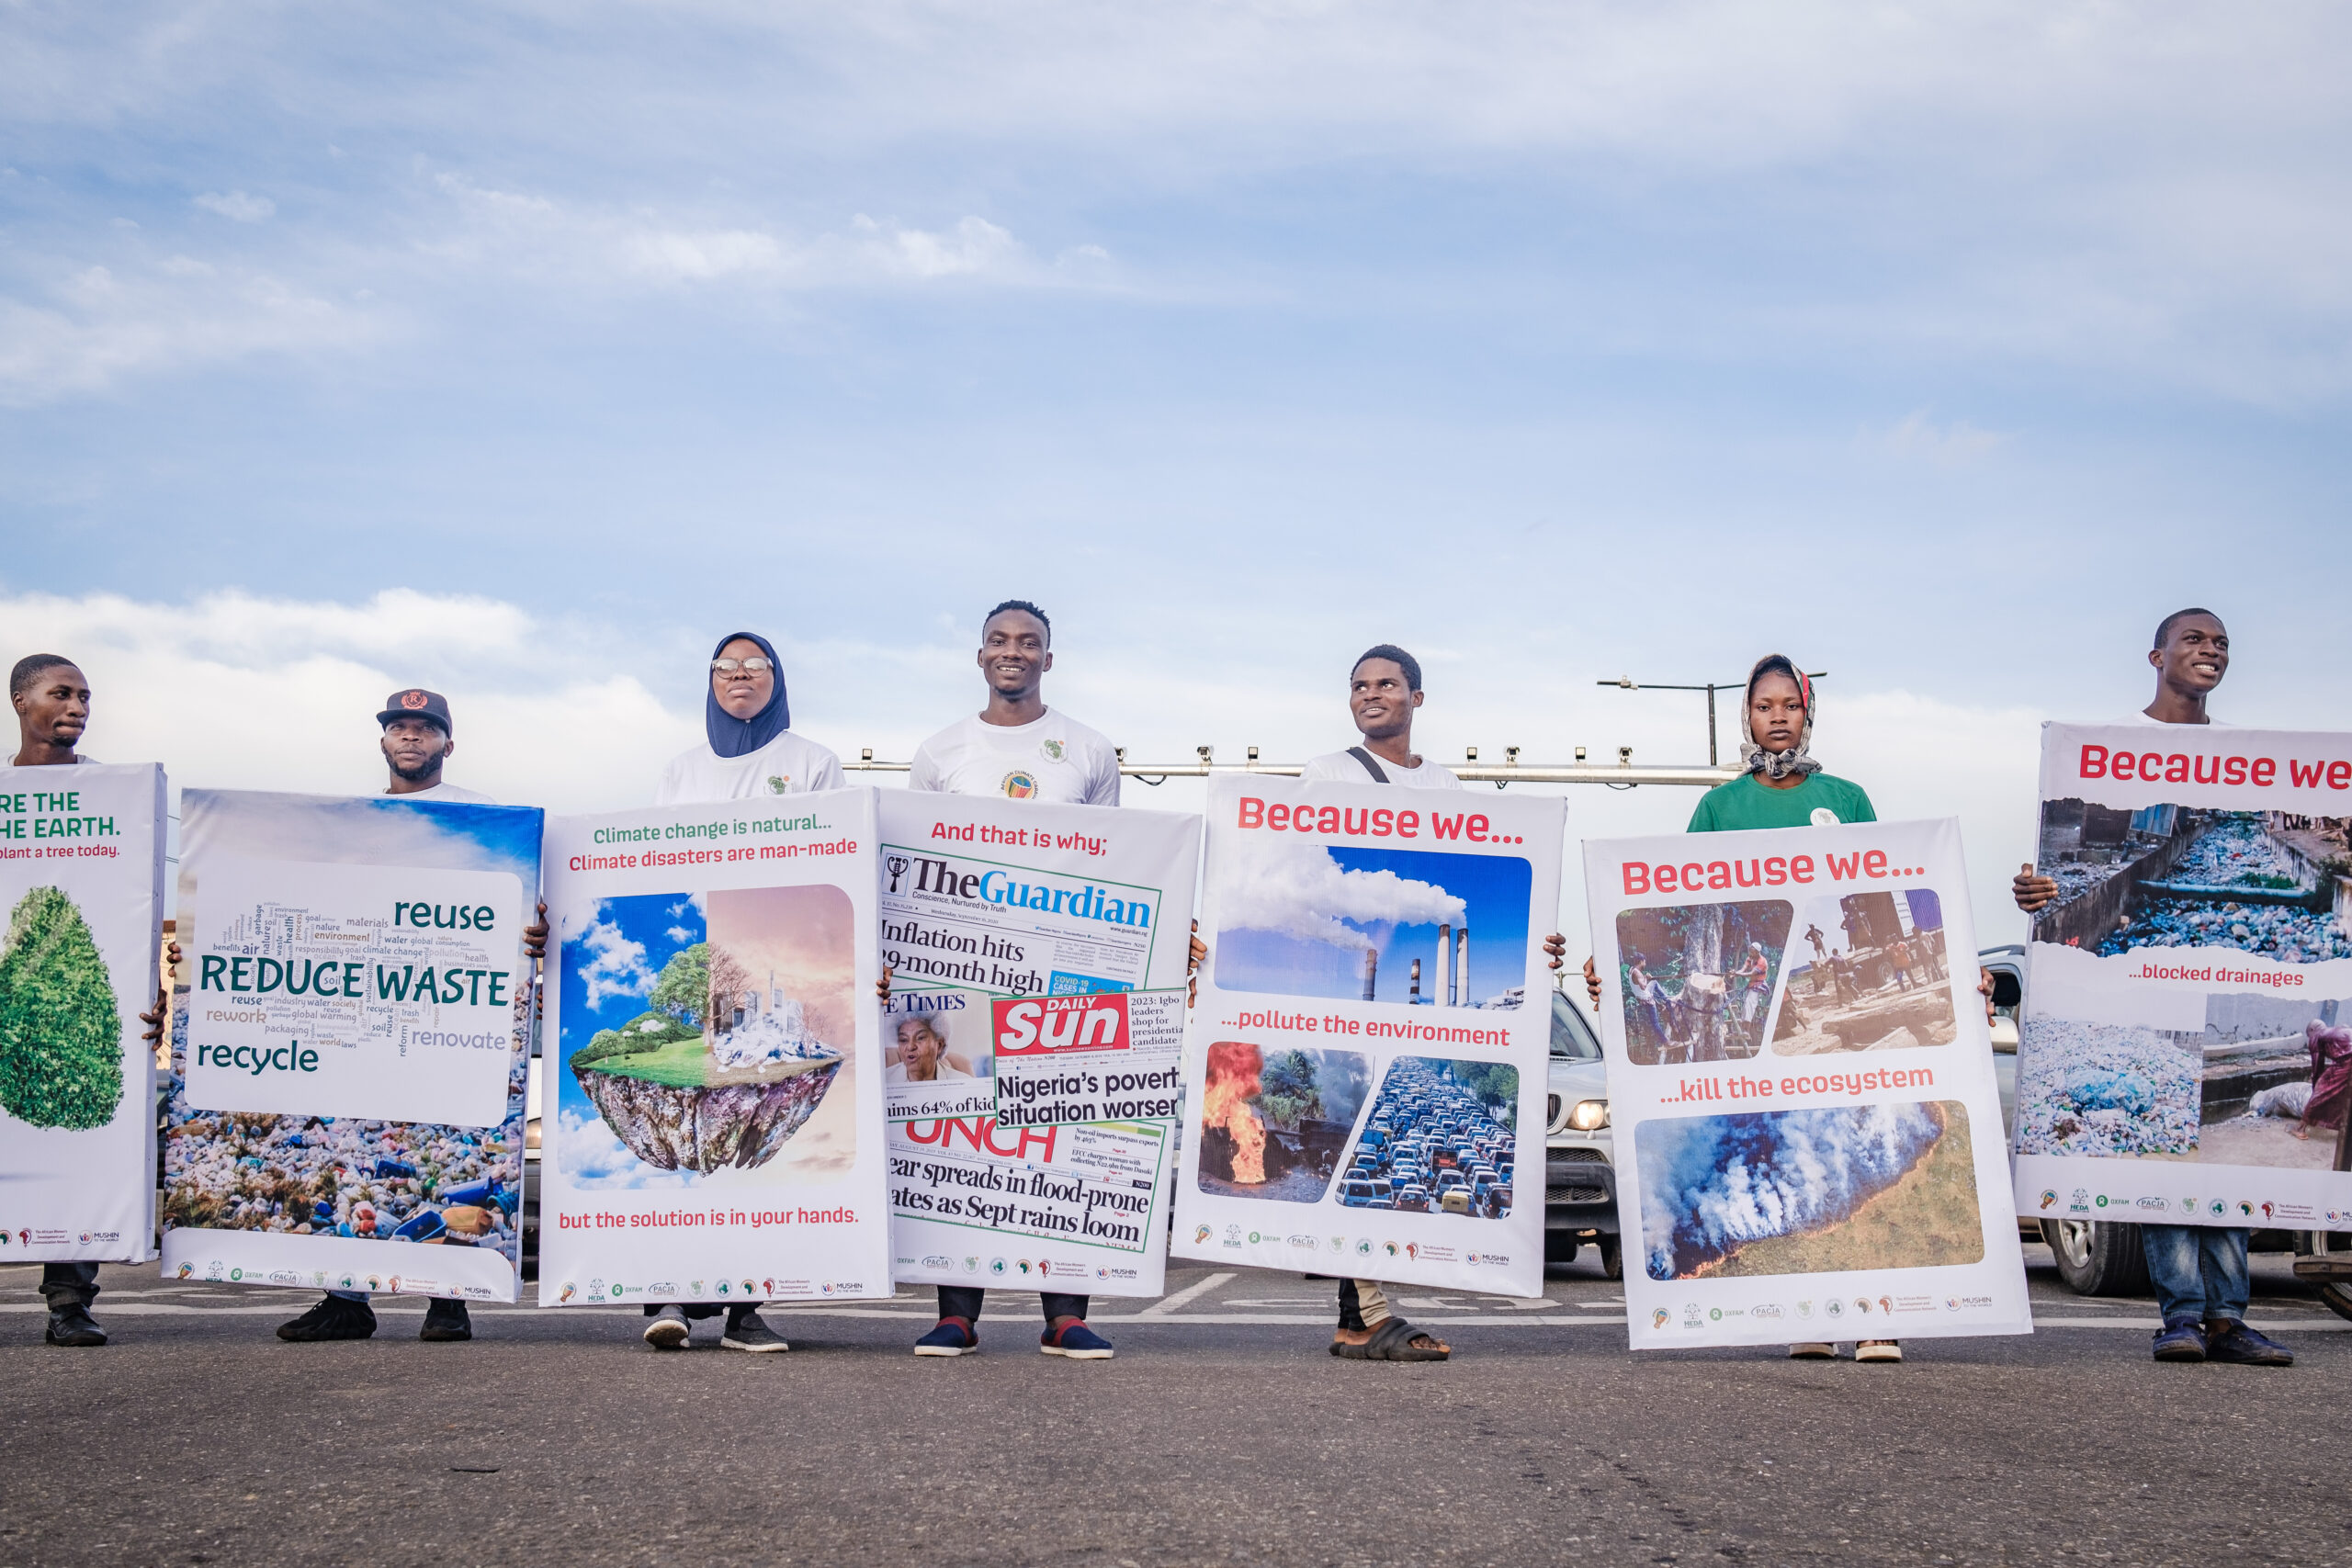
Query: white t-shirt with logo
pixel 446 791
pixel 786 765
pixel 1051 759
pixel 1343 767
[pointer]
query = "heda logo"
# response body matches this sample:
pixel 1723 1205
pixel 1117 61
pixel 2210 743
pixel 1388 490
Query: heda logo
pixel 1036 1026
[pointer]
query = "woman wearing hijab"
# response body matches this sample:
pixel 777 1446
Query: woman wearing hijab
pixel 749 748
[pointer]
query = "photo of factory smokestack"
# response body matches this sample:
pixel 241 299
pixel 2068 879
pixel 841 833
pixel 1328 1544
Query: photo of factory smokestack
pixel 1412 928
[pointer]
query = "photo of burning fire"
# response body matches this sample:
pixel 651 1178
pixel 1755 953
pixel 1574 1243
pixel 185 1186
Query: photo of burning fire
pixel 1274 1124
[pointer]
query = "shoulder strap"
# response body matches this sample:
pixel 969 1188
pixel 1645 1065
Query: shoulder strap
pixel 1371 765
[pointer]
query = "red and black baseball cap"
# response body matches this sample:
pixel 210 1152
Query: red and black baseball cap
pixel 418 703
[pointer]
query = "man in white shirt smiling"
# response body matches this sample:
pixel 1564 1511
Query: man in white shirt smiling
pixel 1017 747
pixel 2198 1271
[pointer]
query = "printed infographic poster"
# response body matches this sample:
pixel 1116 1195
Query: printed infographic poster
pixel 1800 1081
pixel 1033 1037
pixel 351 1043
pixel 82 889
pixel 712 1129
pixel 1365 1057
pixel 2186 1057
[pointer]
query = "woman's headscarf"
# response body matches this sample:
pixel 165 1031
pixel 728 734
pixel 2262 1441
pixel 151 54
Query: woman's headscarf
pixel 732 736
pixel 1776 764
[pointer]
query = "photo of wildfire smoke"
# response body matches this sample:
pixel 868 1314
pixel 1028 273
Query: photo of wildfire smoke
pixel 1274 1123
pixel 1697 979
pixel 1419 927
pixel 1866 974
pixel 1808 1192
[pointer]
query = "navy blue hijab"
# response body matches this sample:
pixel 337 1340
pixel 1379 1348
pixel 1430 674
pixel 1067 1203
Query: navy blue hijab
pixel 732 736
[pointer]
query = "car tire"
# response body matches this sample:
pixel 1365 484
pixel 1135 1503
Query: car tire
pixel 1560 1248
pixel 1613 1257
pixel 2098 1258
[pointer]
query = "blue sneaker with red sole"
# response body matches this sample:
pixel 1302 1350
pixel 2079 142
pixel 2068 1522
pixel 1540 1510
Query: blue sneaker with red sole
pixel 1075 1340
pixel 954 1337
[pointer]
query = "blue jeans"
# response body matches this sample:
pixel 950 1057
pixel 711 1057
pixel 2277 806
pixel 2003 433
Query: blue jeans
pixel 2198 1271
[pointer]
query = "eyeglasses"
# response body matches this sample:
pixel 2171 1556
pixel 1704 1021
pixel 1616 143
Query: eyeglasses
pixel 749 666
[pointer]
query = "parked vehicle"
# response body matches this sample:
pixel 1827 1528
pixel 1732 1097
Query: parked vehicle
pixel 1580 1149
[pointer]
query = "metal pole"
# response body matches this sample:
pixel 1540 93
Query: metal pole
pixel 1712 761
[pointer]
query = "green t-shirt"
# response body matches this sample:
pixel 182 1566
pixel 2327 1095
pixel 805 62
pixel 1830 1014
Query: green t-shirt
pixel 1744 802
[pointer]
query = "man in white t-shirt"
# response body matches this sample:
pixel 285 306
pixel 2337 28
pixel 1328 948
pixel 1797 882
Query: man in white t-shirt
pixel 419 737
pixel 1017 747
pixel 2198 1271
pixel 1021 749
pixel 51 697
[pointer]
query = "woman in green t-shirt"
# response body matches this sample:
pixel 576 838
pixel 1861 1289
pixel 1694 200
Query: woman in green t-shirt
pixel 1783 787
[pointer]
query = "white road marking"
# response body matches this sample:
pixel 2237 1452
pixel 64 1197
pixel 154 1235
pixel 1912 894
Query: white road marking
pixel 1184 1297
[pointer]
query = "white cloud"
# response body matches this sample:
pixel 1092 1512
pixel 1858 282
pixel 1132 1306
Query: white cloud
pixel 88 326
pixel 238 205
pixel 237 691
pixel 1951 444
pixel 615 968
pixel 1298 890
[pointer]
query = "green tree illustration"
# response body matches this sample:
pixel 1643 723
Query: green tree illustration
pixel 683 991
pixel 60 1029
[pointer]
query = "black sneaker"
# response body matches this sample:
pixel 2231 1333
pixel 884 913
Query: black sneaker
pixel 332 1318
pixel 2232 1341
pixel 75 1327
pixel 446 1320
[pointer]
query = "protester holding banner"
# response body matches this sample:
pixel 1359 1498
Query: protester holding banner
pixel 749 749
pixel 1783 787
pixel 1020 749
pixel 2198 1271
pixel 51 697
pixel 418 737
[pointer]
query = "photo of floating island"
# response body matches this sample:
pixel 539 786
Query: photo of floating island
pixel 729 1048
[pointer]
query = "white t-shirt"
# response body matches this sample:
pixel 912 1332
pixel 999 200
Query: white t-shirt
pixel 1051 759
pixel 786 765
pixel 2142 718
pixel 1338 767
pixel 446 791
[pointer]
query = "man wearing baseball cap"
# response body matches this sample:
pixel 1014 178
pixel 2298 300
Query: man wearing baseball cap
pixel 417 741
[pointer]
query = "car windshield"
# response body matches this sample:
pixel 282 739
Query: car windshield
pixel 1572 1038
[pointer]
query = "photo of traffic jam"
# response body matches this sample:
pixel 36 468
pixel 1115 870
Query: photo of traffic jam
pixel 1440 1139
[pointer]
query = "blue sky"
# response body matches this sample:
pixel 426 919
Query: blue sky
pixel 618 957
pixel 520 350
pixel 1492 891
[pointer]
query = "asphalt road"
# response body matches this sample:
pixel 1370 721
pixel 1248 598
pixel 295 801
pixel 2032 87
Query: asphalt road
pixel 1222 1434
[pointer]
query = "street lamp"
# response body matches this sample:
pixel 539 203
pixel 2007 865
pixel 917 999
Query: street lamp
pixel 1626 683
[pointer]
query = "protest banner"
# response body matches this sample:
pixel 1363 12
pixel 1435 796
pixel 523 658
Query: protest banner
pixel 714 1126
pixel 82 885
pixel 1373 1032
pixel 1035 1026
pixel 1801 1079
pixel 351 1047
pixel 2184 1056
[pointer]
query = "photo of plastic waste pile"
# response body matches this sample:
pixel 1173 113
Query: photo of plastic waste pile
pixel 340 1175
pixel 2104 1089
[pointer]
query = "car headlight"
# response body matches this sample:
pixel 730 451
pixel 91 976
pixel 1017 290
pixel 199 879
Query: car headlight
pixel 1589 1116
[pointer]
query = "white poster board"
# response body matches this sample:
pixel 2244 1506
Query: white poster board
pixel 1372 1038
pixel 351 1050
pixel 1801 1078
pixel 1035 1023
pixel 2186 1057
pixel 81 896
pixel 713 1121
